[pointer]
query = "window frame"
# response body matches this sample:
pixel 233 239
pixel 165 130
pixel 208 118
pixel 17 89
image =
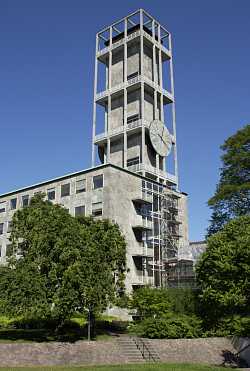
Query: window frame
pixel 63 185
pixel 11 206
pixel 81 190
pixel 78 207
pixel 93 182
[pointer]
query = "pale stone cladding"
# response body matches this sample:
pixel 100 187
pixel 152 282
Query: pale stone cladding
pixel 118 195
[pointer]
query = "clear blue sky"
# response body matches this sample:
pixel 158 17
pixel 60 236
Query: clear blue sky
pixel 46 86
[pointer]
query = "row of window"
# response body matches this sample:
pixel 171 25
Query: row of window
pixel 51 192
pixel 97 210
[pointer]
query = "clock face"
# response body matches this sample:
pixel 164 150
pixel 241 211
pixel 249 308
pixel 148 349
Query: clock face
pixel 160 138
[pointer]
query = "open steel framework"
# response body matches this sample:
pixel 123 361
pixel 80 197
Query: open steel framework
pixel 143 26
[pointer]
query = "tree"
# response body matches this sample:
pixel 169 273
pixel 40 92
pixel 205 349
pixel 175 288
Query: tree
pixel 223 271
pixel 151 303
pixel 232 196
pixel 66 263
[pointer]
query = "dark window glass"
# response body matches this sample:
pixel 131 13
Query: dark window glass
pixel 133 161
pixel 79 210
pixel 51 194
pixel 25 200
pixel 98 181
pixel 81 186
pixel 97 209
pixel 1 228
pixel 13 203
pixel 65 190
pixel 2 207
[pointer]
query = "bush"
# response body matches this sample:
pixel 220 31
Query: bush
pixel 229 326
pixel 184 300
pixel 149 302
pixel 170 326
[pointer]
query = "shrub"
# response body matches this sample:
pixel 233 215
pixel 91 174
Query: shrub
pixel 170 326
pixel 184 300
pixel 230 325
pixel 149 302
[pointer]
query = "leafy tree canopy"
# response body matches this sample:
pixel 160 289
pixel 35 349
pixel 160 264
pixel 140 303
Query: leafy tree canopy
pixel 64 263
pixel 150 302
pixel 223 271
pixel 232 196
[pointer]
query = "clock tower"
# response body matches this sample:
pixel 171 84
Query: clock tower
pixel 134 105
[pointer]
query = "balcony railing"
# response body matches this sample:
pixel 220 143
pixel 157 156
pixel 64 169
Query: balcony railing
pixel 132 36
pixel 133 81
pixel 150 169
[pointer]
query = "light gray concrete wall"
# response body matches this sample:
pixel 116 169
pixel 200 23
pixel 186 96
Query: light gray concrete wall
pixel 116 114
pixel 183 215
pixel 133 60
pixel 148 106
pixel 148 61
pixel 134 146
pixel 117 195
pixel 117 67
pixel 116 152
pixel 133 107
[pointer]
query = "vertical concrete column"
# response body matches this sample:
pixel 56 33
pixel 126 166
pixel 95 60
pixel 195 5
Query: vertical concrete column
pixel 173 111
pixel 142 92
pixel 109 93
pixel 125 100
pixel 160 72
pixel 94 105
pixel 108 133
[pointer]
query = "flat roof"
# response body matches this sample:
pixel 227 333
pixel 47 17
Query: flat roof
pixel 66 176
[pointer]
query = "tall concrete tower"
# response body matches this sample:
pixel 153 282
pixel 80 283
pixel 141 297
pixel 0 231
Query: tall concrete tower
pixel 134 107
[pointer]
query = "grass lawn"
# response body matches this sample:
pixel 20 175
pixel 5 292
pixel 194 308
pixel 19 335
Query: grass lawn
pixel 145 367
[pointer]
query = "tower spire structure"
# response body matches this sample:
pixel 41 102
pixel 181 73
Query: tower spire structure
pixel 134 107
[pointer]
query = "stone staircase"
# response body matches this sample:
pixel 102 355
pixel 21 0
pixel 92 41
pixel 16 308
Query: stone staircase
pixel 136 349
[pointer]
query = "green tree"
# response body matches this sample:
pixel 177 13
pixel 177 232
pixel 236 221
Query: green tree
pixel 150 302
pixel 223 271
pixel 66 263
pixel 232 196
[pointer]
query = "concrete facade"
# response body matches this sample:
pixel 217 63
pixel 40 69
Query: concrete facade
pixel 120 198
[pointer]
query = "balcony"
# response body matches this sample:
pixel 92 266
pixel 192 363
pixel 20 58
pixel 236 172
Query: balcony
pixel 142 223
pixel 139 168
pixel 144 197
pixel 102 96
pixel 166 54
pixel 130 128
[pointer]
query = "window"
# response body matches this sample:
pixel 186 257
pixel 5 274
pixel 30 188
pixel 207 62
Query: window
pixel 65 190
pixel 97 209
pixel 132 118
pixel 13 203
pixel 2 207
pixel 25 200
pixel 133 161
pixel 9 226
pixel 132 75
pixel 1 228
pixel 98 181
pixel 80 210
pixel 81 186
pixel 51 193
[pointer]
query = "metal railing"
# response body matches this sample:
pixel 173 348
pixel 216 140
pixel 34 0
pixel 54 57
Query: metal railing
pixel 146 353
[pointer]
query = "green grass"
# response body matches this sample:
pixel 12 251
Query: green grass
pixel 145 367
